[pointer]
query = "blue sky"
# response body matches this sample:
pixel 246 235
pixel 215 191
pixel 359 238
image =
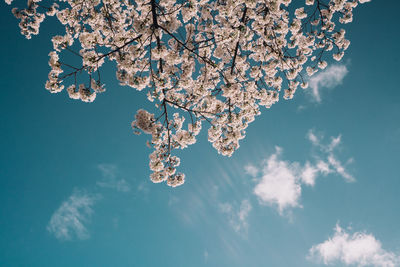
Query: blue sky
pixel 74 187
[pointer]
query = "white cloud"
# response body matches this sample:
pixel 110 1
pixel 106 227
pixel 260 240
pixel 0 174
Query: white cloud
pixel 323 167
pixel 309 173
pixel 279 184
pixel 359 249
pixel 328 78
pixel 251 170
pixel 109 179
pixel 237 219
pixel 69 220
pixel 314 139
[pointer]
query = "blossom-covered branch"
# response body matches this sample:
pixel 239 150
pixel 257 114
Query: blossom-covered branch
pixel 213 62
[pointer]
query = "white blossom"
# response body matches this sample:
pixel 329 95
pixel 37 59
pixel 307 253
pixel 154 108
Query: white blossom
pixel 144 121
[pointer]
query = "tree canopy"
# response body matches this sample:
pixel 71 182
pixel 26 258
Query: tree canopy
pixel 202 63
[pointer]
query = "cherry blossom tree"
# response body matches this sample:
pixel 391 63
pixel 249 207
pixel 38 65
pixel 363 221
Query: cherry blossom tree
pixel 213 63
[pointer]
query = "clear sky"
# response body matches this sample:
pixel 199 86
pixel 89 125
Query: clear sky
pixel 316 181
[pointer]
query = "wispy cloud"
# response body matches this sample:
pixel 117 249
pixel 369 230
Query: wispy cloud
pixel 205 255
pixel 191 210
pixel 331 77
pixel 359 249
pixel 68 222
pixel 109 178
pixel 237 218
pixel 331 164
pixel 340 168
pixel 316 140
pixel 280 182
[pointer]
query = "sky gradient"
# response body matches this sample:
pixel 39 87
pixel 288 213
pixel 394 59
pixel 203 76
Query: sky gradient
pixel 314 182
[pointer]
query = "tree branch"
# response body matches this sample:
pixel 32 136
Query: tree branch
pixel 237 44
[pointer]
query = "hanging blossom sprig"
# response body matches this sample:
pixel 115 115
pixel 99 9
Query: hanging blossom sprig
pixel 213 62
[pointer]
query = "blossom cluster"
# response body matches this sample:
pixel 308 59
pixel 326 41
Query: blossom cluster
pixel 214 62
